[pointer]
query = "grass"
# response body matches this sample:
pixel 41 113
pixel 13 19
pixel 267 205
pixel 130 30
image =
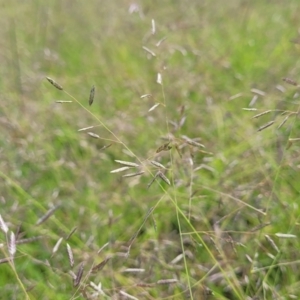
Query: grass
pixel 221 222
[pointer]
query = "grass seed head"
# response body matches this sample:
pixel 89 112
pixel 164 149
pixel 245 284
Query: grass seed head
pixel 92 95
pixel 54 83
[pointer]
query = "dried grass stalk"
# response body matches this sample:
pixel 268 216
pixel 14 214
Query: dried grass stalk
pixel 289 81
pixel 70 255
pixel 54 83
pixel 127 163
pixel 134 174
pixel 3 225
pixel 47 215
pixel 78 275
pixel 92 95
pixel 100 266
pixel 266 126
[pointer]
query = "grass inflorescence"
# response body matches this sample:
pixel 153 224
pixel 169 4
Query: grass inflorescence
pixel 163 161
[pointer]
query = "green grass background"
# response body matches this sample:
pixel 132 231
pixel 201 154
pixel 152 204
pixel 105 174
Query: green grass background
pixel 213 55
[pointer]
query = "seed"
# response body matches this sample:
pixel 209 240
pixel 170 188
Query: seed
pixel 54 83
pixel 92 95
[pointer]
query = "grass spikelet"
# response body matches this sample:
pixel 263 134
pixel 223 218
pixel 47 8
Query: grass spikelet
pixel 159 78
pixel 149 51
pixel 100 266
pixel 29 240
pixel 78 275
pixel 127 163
pixel 4 260
pixel 97 288
pixel 124 294
pixel 134 270
pixel 12 245
pixel 272 243
pixel 92 95
pixel 285 235
pixel 250 109
pixel 54 83
pixel 164 147
pixel 3 225
pixel 157 164
pixel 93 135
pixel 63 101
pixel 153 26
pixel 105 147
pixel 193 143
pixel 47 215
pixel 146 96
pixel 258 92
pixel 291 141
pixel 164 178
pixel 261 114
pixel 153 107
pixel 167 281
pixel 56 247
pixel 134 174
pixel 260 226
pixel 266 126
pixel 289 81
pixel 85 128
pixel 283 122
pixel 160 41
pixel 71 233
pixel 153 179
pixel 105 245
pixel 70 255
pixel 120 169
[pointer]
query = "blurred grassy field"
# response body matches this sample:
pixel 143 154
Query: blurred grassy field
pixel 227 225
